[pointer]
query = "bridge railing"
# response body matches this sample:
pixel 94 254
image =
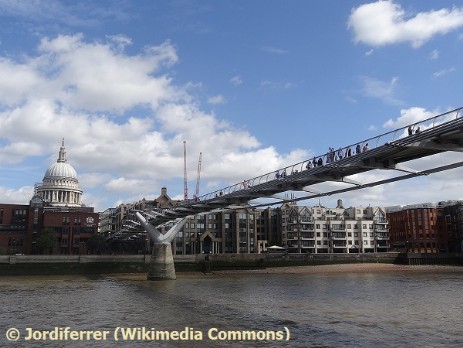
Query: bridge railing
pixel 333 155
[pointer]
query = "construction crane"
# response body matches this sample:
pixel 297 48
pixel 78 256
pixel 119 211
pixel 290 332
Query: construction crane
pixel 185 181
pixel 185 178
pixel 198 176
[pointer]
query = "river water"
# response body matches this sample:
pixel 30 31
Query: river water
pixel 390 309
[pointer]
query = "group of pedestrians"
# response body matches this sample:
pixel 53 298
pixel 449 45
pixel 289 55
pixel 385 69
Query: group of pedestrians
pixel 330 157
pixel 411 131
pixel 334 155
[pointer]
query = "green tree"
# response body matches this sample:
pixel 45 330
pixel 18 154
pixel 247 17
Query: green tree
pixel 96 244
pixel 46 241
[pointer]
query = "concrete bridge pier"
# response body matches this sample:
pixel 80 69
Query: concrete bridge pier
pixel 162 261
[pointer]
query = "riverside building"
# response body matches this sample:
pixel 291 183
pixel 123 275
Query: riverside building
pixel 319 229
pixel 453 216
pixel 297 229
pixel 427 227
pixel 241 231
pixel 415 228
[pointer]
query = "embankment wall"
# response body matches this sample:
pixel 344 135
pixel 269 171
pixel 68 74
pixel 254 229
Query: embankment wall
pixel 106 264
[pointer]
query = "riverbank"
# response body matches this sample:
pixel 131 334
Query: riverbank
pixel 315 270
pixel 350 268
pixel 29 265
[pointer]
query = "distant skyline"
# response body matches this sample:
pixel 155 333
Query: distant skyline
pixel 252 85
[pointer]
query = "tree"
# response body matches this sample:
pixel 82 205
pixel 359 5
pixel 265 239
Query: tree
pixel 96 244
pixel 46 241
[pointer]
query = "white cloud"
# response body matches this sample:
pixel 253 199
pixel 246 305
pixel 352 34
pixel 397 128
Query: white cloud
pixel 88 76
pixel 277 85
pixel 409 116
pixel 443 72
pixel 123 120
pixel 21 195
pixel 434 55
pixel 217 99
pixel 385 22
pixel 54 13
pixel 383 90
pixel 236 80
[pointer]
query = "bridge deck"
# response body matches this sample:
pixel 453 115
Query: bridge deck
pixel 439 134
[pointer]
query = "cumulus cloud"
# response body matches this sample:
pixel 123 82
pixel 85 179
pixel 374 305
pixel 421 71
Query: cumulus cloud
pixel 409 116
pixel 417 114
pixel 123 118
pixel 386 22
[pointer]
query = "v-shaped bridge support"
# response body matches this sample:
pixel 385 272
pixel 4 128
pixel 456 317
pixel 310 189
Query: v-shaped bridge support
pixel 162 261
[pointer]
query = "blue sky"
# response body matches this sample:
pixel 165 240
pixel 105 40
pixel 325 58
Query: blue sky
pixel 252 85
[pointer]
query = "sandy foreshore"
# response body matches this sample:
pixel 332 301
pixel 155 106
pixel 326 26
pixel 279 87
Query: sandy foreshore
pixel 350 268
pixel 321 269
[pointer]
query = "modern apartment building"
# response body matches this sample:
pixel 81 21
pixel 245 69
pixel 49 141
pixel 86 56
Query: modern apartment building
pixel 107 222
pixel 238 231
pixel 319 229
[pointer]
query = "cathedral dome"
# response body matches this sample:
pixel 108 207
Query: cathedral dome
pixel 60 170
pixel 60 186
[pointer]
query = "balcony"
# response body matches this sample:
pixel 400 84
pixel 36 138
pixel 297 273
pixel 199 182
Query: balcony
pixel 381 246
pixel 382 237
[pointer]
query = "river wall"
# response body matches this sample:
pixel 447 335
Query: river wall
pixel 106 264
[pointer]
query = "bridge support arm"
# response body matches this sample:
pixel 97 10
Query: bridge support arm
pixel 152 231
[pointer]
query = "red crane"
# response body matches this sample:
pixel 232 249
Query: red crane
pixel 198 176
pixel 185 181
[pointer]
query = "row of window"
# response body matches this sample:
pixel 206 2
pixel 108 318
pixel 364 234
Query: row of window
pixel 66 220
pixel 292 235
pixel 334 227
pixel 308 243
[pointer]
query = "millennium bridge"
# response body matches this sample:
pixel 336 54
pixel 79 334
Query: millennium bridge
pixel 389 151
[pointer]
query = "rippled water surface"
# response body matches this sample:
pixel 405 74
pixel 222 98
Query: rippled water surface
pixel 412 309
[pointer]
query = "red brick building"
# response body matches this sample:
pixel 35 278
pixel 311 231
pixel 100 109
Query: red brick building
pixel 13 228
pixel 417 228
pixel 72 228
pixel 56 206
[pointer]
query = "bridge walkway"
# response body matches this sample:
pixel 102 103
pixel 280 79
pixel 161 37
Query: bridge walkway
pixel 441 133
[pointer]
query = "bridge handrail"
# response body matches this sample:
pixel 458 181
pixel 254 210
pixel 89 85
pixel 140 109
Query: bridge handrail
pixel 332 156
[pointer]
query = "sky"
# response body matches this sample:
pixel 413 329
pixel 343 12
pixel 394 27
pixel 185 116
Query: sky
pixel 252 85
